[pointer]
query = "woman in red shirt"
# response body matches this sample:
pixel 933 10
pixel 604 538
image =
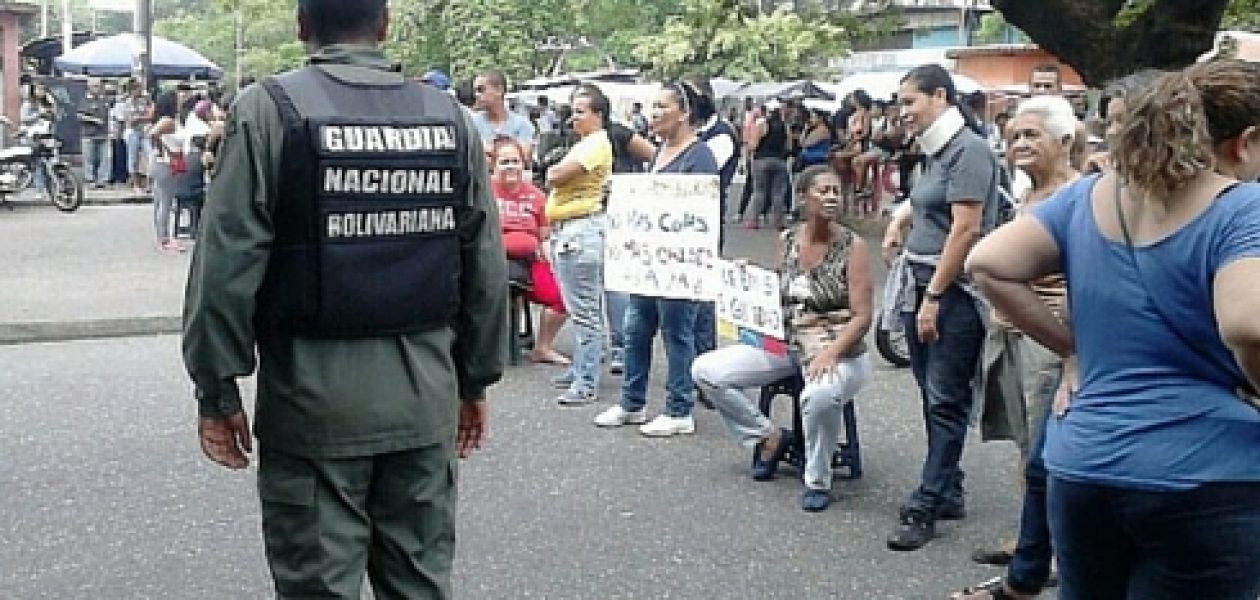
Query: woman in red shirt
pixel 524 224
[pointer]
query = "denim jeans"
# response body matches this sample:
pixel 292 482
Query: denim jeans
pixel 1125 543
pixel 944 371
pixel 137 150
pixel 725 374
pixel 676 320
pixel 615 306
pixel 163 199
pixel 577 256
pixel 771 188
pixel 706 328
pixel 96 161
pixel 1030 565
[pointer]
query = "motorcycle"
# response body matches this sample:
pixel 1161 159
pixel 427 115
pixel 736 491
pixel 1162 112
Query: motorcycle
pixel 40 153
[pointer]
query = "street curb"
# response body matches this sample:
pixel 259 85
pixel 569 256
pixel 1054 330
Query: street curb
pixel 67 331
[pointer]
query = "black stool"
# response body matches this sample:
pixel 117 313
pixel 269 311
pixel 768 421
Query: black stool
pixel 848 454
pixel 188 206
pixel 520 318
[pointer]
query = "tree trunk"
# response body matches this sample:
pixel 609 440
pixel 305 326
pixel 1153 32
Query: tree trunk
pixel 1169 34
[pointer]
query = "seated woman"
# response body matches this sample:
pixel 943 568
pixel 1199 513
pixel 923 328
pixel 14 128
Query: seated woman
pixel 826 291
pixel 524 229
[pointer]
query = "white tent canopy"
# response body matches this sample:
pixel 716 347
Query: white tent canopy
pixel 881 85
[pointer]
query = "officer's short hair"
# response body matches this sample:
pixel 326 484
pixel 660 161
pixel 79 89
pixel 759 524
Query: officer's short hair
pixel 333 20
pixel 497 79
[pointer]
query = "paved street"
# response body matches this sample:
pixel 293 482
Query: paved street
pixel 105 494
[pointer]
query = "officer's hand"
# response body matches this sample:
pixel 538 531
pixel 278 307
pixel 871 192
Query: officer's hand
pixel 472 427
pixel 226 440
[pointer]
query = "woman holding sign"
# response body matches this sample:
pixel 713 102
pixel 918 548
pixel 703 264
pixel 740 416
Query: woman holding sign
pixel 826 295
pixel 682 152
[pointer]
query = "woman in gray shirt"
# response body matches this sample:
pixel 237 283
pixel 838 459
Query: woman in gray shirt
pixel 954 202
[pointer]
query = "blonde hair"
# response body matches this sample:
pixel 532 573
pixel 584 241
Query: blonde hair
pixel 1171 129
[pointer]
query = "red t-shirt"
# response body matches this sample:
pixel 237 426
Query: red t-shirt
pixel 521 214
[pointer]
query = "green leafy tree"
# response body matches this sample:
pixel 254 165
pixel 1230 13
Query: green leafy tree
pixel 1243 14
pixel 210 28
pixel 1105 39
pixel 727 37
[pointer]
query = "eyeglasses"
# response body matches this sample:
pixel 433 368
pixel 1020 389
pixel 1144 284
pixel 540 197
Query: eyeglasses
pixel 506 162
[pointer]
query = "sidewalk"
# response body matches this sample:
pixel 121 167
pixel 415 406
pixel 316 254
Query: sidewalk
pixel 113 195
pixel 92 273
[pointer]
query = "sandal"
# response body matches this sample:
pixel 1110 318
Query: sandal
pixel 551 357
pixel 997 558
pixel 992 589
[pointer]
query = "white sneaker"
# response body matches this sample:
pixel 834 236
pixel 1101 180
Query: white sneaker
pixel 667 426
pixel 617 416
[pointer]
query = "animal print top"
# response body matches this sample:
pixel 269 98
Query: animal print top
pixel 816 301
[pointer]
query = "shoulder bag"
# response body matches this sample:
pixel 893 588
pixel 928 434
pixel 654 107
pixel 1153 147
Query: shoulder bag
pixel 1244 391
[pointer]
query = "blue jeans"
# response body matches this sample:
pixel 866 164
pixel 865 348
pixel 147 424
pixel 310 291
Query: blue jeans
pixel 577 248
pixel 96 161
pixel 1124 543
pixel 1030 565
pixel 676 319
pixel 615 305
pixel 944 371
pixel 706 328
pixel 137 150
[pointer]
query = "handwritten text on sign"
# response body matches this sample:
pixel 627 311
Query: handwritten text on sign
pixel 749 299
pixel 663 236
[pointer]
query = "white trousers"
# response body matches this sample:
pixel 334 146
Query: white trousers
pixel 726 373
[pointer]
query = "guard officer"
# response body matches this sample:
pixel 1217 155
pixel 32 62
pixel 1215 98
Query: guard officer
pixel 350 243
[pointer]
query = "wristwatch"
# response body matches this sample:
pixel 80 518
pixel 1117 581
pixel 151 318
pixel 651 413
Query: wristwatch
pixel 933 296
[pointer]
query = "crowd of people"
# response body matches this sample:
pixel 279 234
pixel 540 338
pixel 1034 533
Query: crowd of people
pixel 1102 320
pixel 163 145
pixel 981 348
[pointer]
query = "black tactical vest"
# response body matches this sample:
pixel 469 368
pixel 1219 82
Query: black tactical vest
pixel 370 209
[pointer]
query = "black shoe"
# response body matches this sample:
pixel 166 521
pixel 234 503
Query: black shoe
pixel 764 470
pixel 914 531
pixel 953 510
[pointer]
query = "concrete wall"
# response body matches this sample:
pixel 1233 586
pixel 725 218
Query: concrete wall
pixel 1000 70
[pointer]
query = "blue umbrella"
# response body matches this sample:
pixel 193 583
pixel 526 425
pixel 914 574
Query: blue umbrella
pixel 112 57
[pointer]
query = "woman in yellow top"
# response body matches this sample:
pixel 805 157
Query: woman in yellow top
pixel 576 212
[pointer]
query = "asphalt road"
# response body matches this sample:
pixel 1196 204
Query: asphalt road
pixel 105 494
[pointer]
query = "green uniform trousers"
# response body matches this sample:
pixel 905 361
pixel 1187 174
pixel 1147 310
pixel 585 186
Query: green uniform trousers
pixel 326 521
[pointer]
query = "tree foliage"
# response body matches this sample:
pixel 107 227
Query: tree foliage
pixel 210 28
pixel 1105 39
pixel 1243 14
pixel 465 36
pixel 727 37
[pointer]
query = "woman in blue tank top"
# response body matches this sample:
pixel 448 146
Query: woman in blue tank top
pixel 1154 455
pixel 681 152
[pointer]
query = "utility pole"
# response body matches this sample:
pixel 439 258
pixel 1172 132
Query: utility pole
pixel 67 28
pixel 142 64
pixel 43 19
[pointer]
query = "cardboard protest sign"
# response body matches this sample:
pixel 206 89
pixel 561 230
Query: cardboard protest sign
pixel 662 238
pixel 748 307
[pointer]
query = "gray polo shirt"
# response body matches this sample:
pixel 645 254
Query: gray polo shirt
pixel 965 169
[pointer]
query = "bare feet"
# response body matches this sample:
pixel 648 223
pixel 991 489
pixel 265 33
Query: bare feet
pixel 540 355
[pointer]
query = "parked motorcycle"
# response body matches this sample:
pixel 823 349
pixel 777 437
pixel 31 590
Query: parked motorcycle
pixel 40 152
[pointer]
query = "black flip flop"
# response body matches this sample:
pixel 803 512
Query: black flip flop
pixel 996 558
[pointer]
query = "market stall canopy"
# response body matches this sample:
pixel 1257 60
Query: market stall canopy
pixel 881 85
pixel 112 57
pixel 784 90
